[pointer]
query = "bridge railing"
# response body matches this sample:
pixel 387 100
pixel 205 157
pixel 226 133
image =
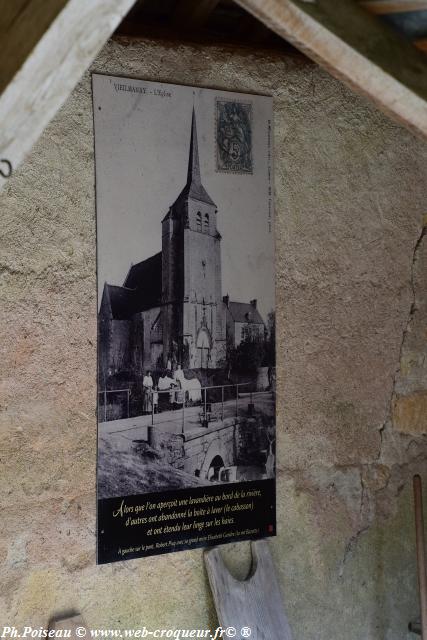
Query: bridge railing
pixel 201 405
pixel 194 406
pixel 103 404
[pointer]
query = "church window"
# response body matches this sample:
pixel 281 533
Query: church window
pixel 199 221
pixel 206 229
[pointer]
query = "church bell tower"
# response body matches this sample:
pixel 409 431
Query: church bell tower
pixel 193 314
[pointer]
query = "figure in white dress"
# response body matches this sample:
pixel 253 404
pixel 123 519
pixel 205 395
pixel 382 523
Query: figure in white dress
pixel 147 388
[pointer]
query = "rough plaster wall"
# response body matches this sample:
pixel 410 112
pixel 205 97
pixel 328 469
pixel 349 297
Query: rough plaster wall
pixel 351 192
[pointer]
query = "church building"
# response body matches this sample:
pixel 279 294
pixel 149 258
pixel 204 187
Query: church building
pixel 170 309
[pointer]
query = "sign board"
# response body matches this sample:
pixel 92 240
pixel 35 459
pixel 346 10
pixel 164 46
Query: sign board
pixel 186 321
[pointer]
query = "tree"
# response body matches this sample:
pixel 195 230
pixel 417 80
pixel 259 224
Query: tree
pixel 270 340
pixel 248 355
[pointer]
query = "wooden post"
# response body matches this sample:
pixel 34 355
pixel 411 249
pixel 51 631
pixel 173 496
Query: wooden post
pixel 252 607
pixel 222 402
pixel 421 553
pixel 183 413
pixel 251 407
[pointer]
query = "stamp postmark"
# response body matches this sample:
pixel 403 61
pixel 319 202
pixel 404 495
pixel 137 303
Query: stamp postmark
pixel 233 136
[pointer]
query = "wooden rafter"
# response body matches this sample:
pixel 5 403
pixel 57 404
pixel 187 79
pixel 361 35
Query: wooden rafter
pixel 383 7
pixel 194 14
pixel 421 44
pixel 46 47
pixel 358 49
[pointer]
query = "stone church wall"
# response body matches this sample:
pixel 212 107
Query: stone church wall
pixel 151 354
pixel 116 350
pixel 201 272
pixel 351 193
pixel 202 287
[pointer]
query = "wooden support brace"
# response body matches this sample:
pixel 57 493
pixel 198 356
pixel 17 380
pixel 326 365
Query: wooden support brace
pixel 253 607
pixel 357 48
pixel 46 47
pixel 421 553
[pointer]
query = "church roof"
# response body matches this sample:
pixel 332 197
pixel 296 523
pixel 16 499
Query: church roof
pixel 141 290
pixel 195 192
pixel 121 301
pixel 245 312
pixel 144 271
pixel 193 188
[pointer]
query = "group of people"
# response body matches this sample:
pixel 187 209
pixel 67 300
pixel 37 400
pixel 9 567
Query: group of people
pixel 177 386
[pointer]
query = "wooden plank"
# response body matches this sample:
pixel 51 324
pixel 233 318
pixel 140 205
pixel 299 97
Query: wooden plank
pixel 46 47
pixel 254 603
pixel 357 48
pixel 421 44
pixel 21 25
pixel 194 13
pixel 384 7
pixel 421 552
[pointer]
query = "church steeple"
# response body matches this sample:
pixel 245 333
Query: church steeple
pixel 193 314
pixel 193 173
pixel 193 189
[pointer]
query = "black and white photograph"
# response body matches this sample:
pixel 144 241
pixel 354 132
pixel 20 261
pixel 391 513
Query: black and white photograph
pixel 186 311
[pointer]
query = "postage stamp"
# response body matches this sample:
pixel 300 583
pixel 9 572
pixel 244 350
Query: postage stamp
pixel 233 133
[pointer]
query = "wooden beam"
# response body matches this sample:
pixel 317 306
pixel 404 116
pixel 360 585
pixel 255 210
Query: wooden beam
pixel 194 13
pixel 384 7
pixel 421 552
pixel 256 603
pixel 421 44
pixel 46 47
pixel 252 30
pixel 357 48
pixel 18 36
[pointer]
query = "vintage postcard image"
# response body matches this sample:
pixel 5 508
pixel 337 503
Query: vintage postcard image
pixel 186 317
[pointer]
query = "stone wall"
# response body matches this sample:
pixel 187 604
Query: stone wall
pixel 251 441
pixel 200 451
pixel 169 446
pixel 351 191
pixel 151 351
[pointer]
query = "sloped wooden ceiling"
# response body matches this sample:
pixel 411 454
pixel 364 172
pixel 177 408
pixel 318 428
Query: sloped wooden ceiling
pixel 226 21
pixel 48 44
